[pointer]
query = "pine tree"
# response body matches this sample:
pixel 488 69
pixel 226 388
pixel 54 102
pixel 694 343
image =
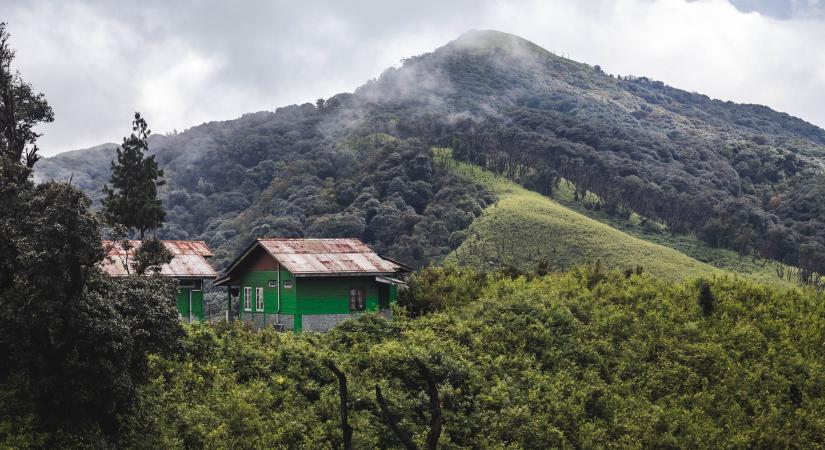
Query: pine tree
pixel 132 200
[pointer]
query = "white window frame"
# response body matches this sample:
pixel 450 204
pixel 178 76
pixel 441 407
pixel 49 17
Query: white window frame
pixel 247 298
pixel 259 299
pixel 360 298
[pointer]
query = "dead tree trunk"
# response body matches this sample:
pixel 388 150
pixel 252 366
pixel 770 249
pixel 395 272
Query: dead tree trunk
pixel 392 419
pixel 346 429
pixel 435 408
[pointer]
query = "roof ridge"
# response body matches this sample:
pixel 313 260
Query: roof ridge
pixel 305 239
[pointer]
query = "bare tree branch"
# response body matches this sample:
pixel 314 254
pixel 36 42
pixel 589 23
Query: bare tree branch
pixel 391 420
pixel 346 429
pixel 435 407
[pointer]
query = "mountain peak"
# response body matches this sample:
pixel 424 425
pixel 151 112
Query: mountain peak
pixel 486 40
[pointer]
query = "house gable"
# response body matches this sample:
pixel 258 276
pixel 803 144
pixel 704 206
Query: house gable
pixel 189 259
pixel 310 283
pixel 189 265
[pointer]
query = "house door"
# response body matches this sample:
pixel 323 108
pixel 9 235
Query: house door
pixel 183 303
pixel 383 296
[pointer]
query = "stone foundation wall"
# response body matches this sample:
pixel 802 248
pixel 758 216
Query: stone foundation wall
pixel 323 322
pixel 309 322
pixel 287 321
pixel 259 320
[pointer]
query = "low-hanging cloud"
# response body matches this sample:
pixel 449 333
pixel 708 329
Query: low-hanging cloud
pixel 182 64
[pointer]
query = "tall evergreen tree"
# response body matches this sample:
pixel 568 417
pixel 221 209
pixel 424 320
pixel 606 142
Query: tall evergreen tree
pixel 132 201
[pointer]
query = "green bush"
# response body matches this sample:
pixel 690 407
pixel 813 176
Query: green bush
pixel 588 358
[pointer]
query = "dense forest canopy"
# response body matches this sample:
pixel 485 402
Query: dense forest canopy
pixel 737 176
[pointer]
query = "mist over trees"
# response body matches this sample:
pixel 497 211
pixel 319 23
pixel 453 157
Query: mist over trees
pixel 742 177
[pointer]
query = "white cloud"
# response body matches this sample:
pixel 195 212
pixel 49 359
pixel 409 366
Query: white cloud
pixel 98 62
pixel 706 46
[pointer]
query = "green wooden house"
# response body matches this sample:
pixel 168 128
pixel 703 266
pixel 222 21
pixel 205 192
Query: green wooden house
pixel 189 267
pixel 310 284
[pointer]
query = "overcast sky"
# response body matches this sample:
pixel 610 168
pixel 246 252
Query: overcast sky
pixel 182 63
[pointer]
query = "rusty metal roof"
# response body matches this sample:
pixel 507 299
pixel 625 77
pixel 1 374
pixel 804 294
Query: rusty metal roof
pixel 189 259
pixel 306 257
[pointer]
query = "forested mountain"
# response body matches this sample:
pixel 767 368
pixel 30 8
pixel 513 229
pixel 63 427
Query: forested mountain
pixel 743 177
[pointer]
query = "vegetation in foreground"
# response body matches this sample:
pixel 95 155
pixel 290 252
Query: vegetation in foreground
pixel 74 344
pixel 581 359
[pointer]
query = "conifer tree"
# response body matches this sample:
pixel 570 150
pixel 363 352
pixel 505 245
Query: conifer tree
pixel 132 200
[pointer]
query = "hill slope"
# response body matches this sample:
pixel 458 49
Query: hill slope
pixel 523 228
pixel 742 177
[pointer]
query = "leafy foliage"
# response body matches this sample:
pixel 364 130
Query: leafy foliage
pixel 434 289
pixel 73 343
pixel 151 255
pixel 707 301
pixel 21 110
pixel 581 359
pixel 525 231
pixel 382 190
pixel 75 339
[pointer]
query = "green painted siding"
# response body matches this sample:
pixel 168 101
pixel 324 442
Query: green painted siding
pixel 253 280
pixel 182 302
pixel 197 305
pixel 330 295
pixel 289 305
pixel 307 295
pixel 261 279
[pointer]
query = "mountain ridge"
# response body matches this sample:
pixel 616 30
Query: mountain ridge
pixel 508 105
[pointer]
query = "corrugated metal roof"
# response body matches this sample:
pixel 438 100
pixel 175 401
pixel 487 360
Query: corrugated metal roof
pixel 189 260
pixel 314 246
pixel 328 257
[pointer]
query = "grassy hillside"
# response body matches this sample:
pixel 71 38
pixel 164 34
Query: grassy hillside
pixel 524 227
pixel 655 232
